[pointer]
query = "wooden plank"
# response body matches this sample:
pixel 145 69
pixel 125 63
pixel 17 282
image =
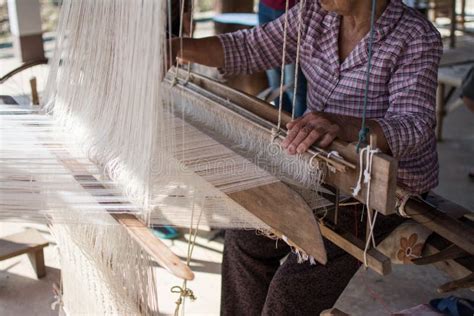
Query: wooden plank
pixel 452 209
pixel 448 227
pixel 287 214
pixel 455 268
pixel 355 247
pixel 383 197
pixel 17 244
pixel 451 252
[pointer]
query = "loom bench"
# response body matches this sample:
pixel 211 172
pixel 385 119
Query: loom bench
pixel 30 242
pixel 449 77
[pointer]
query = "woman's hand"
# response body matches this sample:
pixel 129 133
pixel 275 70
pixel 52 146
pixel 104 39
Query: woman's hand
pixel 307 130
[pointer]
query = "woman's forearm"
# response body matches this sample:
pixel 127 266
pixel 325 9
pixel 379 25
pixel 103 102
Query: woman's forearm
pixel 350 127
pixel 205 51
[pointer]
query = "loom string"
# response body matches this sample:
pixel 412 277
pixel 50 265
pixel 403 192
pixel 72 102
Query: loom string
pixel 297 61
pixel 283 63
pixel 364 130
pixel 191 31
pixel 184 291
pixel 180 35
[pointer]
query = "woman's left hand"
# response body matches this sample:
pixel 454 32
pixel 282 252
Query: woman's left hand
pixel 307 130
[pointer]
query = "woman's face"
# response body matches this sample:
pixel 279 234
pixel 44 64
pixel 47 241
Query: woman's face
pixel 341 7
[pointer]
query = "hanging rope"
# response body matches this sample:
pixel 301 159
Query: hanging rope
pixel 283 63
pixel 365 175
pixel 191 31
pixel 297 61
pixel 183 291
pixel 364 130
pixel 180 35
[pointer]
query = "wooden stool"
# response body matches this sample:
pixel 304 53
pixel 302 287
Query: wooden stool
pixel 30 242
pixel 448 77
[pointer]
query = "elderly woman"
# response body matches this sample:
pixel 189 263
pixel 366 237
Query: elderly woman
pixel 334 57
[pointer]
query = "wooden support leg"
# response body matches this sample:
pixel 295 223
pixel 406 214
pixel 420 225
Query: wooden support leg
pixel 463 15
pixel 34 91
pixel 452 31
pixel 440 110
pixel 37 260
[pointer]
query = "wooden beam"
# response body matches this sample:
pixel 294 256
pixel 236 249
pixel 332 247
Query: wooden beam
pixel 449 253
pixel 453 267
pixel 448 227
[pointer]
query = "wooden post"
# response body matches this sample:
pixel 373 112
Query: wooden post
pixel 34 91
pixel 440 111
pixel 452 30
pixel 25 26
pixel 37 261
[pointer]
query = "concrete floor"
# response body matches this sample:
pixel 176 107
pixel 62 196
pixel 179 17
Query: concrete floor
pixel 367 294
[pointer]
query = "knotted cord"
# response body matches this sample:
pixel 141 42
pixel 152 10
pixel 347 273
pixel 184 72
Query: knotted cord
pixel 184 291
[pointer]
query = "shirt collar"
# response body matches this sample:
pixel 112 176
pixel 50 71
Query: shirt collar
pixel 383 26
pixel 388 20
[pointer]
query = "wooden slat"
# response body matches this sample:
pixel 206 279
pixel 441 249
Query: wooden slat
pixel 355 247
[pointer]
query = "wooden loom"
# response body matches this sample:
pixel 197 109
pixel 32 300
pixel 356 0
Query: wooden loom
pixel 342 175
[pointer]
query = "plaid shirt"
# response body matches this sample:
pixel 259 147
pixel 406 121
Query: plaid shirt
pixel 402 90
